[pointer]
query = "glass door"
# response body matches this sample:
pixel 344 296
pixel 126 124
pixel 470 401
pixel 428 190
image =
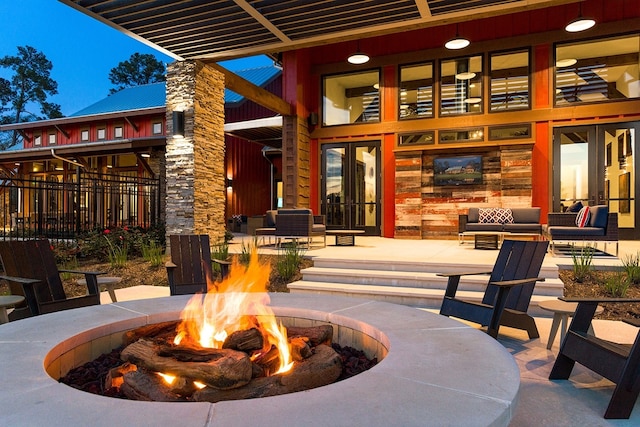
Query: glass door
pixel 350 186
pixel 596 165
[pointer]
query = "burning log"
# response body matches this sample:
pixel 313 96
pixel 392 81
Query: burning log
pixel 300 349
pixel 163 329
pixel 317 334
pixel 248 340
pixel 115 376
pixel 322 368
pixel 225 368
pixel 140 385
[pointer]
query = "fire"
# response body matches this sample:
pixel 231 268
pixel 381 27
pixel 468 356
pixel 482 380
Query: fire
pixel 210 318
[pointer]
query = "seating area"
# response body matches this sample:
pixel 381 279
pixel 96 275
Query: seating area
pixel 296 224
pixel 600 226
pixel 510 220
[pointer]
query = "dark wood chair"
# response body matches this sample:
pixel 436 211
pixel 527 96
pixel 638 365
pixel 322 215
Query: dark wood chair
pixel 508 294
pixel 619 363
pixel 190 265
pixel 31 271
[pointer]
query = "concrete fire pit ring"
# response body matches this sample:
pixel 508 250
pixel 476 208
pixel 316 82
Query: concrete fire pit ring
pixel 437 371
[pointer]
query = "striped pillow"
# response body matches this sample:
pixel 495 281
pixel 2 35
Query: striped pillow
pixel 583 217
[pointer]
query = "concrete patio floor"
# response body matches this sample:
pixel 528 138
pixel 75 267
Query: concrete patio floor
pixel 580 401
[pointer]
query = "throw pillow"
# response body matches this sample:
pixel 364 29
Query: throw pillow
pixel 503 216
pixel 575 207
pixel 485 215
pixel 583 217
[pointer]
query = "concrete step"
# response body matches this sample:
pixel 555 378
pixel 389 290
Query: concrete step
pixel 413 279
pixel 414 297
pixel 549 271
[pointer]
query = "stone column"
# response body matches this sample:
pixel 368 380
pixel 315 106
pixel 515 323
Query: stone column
pixel 195 202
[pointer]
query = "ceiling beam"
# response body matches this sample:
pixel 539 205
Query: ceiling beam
pixel 255 93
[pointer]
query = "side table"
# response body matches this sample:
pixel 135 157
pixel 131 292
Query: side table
pixel 7 301
pixel 108 282
pixel 562 310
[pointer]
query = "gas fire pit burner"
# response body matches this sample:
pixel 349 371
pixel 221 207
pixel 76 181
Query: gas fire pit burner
pixel 433 370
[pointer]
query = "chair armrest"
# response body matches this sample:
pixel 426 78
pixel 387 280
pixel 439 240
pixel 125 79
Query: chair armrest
pixel 517 282
pixel 28 288
pixel 91 277
pixel 170 264
pixel 94 273
pixel 468 273
pixel 599 300
pixel 564 219
pixel 21 280
pixel 463 219
pixel 454 281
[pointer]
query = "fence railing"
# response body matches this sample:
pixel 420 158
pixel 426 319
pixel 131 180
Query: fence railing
pixel 63 210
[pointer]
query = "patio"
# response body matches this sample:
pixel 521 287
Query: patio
pixel 579 401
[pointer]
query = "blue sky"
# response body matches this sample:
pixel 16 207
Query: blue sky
pixel 82 49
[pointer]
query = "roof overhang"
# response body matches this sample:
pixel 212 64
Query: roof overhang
pixel 226 29
pixel 267 131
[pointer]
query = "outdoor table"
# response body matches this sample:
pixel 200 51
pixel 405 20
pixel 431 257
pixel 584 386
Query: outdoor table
pixel 7 301
pixel 345 237
pixel 108 282
pixel 562 310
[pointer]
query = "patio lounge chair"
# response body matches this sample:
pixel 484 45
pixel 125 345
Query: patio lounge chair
pixel 507 296
pixel 31 271
pixel 619 363
pixel 190 265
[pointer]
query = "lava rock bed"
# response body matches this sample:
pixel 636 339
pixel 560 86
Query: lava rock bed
pixel 90 377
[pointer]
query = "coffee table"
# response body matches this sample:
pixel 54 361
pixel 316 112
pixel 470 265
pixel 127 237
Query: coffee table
pixel 345 237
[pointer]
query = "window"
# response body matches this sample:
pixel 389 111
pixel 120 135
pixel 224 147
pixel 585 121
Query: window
pixel 102 133
pixel 461 135
pixel 509 81
pixel 37 139
pixel 425 138
pixel 157 128
pixel 52 139
pixel 461 86
pixel 351 98
pixel 84 135
pixel 595 71
pixel 416 91
pixel 118 132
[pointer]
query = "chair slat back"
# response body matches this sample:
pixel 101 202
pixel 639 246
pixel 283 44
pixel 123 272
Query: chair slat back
pixel 188 253
pixel 517 260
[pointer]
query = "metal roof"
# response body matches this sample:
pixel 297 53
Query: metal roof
pixel 131 98
pixel 224 29
pixel 259 76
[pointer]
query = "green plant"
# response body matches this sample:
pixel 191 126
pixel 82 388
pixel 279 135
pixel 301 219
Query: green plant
pixel 152 252
pixel 617 284
pixel 289 261
pixel 117 253
pixel 70 264
pixel 631 266
pixel 219 251
pixel 582 263
pixel 247 249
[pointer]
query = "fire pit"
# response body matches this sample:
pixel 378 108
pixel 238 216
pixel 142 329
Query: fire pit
pixel 433 370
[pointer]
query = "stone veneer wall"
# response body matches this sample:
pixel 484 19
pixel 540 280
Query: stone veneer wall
pixel 195 201
pixel 295 162
pixel 427 211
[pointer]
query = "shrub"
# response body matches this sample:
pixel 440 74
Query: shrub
pixel 582 263
pixel 631 266
pixel 289 261
pixel 617 285
pixel 153 253
pixel 117 252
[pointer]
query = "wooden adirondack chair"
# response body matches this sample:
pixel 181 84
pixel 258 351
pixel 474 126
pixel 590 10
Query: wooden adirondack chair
pixel 507 296
pixel 619 363
pixel 31 271
pixel 190 264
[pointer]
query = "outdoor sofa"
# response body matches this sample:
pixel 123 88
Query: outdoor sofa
pixel 509 220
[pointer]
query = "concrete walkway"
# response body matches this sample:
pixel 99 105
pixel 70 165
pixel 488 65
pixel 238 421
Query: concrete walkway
pixel 580 401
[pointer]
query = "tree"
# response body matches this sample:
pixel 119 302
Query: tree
pixel 140 69
pixel 30 84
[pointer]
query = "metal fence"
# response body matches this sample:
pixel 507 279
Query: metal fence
pixel 48 207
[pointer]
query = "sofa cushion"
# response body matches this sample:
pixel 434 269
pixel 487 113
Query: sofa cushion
pixel 583 217
pixel 523 228
pixel 476 226
pixel 557 232
pixel 599 216
pixel 526 215
pixel 495 215
pixel 473 215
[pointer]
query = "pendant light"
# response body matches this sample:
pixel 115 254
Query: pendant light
pixel 457 42
pixel 358 58
pixel 580 24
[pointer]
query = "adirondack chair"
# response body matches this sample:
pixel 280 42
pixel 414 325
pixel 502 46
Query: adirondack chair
pixel 507 296
pixel 31 271
pixel 619 363
pixel 190 264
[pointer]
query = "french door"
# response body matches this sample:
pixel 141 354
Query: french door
pixel 596 165
pixel 351 186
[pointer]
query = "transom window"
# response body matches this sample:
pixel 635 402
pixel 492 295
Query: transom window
pixel 461 86
pixel 509 81
pixel 416 91
pixel 351 98
pixel 595 71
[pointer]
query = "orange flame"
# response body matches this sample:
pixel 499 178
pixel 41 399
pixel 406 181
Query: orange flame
pixel 208 319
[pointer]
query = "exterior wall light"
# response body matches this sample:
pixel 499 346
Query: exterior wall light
pixel 178 124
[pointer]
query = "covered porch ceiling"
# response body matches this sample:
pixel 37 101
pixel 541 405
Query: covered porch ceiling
pixel 227 29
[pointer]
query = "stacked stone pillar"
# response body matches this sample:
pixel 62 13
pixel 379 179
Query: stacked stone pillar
pixel 195 190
